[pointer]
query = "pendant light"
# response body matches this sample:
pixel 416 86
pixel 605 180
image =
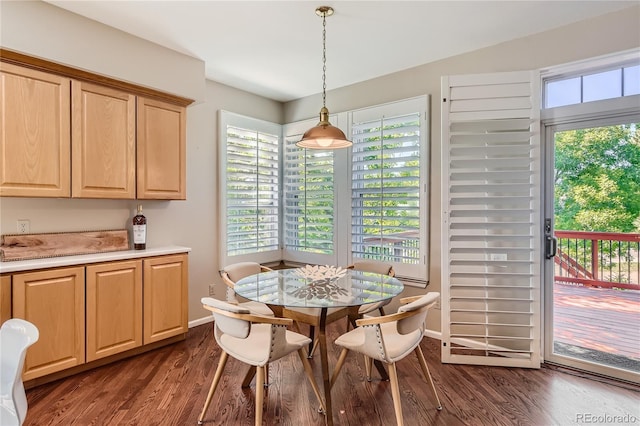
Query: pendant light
pixel 324 135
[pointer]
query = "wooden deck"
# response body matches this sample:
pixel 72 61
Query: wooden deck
pixel 600 319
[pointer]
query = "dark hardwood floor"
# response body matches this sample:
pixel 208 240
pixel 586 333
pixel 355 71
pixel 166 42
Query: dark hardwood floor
pixel 168 386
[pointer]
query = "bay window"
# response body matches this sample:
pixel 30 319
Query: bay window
pixel 332 206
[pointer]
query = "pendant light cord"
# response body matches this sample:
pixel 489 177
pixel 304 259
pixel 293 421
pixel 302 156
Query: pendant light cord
pixel 324 59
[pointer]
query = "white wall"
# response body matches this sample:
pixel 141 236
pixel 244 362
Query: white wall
pixel 28 27
pixel 48 32
pixel 607 34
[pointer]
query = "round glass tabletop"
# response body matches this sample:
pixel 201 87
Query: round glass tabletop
pixel 316 286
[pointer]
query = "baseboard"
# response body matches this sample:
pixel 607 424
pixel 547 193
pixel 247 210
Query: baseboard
pixel 433 334
pixel 201 321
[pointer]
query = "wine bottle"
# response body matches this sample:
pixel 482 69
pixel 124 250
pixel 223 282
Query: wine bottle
pixel 139 230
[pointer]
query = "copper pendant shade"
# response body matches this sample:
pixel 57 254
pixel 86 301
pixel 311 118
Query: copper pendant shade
pixel 324 135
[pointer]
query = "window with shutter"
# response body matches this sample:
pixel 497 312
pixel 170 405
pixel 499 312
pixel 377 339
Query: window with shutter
pixel 338 206
pixel 251 188
pixel 388 186
pixel 308 199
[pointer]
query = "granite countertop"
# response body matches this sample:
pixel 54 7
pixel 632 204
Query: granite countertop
pixel 55 262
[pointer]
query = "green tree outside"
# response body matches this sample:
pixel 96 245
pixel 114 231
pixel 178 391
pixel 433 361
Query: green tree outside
pixel 597 179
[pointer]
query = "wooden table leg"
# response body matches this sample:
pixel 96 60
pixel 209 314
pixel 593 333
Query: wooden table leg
pixel 325 366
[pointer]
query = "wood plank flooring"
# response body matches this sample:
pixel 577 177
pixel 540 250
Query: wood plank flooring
pixel 601 319
pixel 168 386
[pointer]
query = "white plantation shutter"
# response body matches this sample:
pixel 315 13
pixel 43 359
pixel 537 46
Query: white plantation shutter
pixel 251 187
pixel 491 219
pixel 308 205
pixel 388 186
pixel 308 199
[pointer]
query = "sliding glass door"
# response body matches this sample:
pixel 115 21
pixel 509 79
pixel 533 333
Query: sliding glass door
pixel 592 234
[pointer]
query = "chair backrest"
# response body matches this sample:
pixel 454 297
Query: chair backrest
pixel 237 271
pixel 373 266
pixel 228 319
pixel 16 335
pixel 236 327
pixel 421 307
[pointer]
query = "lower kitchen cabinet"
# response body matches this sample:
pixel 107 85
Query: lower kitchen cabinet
pixel 114 308
pixel 53 300
pixel 165 303
pixel 88 313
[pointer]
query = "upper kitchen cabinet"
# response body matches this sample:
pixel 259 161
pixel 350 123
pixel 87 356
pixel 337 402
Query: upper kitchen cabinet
pixel 71 133
pixel 36 135
pixel 104 142
pixel 161 149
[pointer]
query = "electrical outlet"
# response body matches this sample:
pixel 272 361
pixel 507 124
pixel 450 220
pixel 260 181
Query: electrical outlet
pixel 23 226
pixel 437 305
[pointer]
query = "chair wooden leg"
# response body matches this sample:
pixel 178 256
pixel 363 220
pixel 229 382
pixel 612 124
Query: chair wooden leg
pixel 216 379
pixel 367 367
pixel 309 371
pixel 259 394
pixel 339 364
pixel 313 349
pixel 251 373
pixel 427 374
pixel 395 392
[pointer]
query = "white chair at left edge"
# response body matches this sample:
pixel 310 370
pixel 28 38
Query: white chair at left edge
pixel 16 335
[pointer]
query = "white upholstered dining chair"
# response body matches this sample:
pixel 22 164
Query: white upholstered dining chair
pixel 255 340
pixel 389 339
pixel 378 268
pixel 233 273
pixel 16 335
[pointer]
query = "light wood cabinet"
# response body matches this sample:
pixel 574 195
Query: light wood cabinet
pixel 64 136
pixel 104 142
pixel 98 312
pixel 165 297
pixel 5 298
pixel 36 135
pixel 114 308
pixel 161 150
pixel 53 300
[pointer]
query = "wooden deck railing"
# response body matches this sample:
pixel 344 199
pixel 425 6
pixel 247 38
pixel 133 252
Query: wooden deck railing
pixel 598 259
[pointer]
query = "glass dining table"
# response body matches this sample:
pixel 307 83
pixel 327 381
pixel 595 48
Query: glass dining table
pixel 321 287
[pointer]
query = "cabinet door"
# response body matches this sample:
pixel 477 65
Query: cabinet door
pixel 165 297
pixel 5 298
pixel 161 149
pixel 114 308
pixel 53 300
pixel 104 142
pixel 35 139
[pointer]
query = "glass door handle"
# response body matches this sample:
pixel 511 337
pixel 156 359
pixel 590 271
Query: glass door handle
pixel 551 247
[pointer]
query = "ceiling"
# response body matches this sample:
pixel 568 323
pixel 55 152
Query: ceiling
pixel 274 48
